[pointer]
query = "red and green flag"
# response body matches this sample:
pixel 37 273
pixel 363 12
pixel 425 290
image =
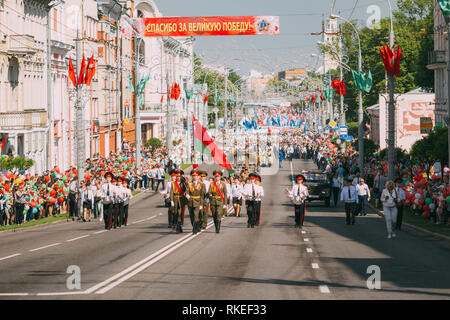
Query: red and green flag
pixel 205 144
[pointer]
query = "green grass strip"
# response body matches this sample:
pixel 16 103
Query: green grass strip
pixel 36 222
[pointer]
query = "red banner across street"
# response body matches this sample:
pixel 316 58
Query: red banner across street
pixel 203 26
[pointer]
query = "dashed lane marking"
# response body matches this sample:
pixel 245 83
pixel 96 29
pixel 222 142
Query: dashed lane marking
pixel 309 250
pixel 324 289
pixel 11 256
pixel 45 247
pixel 315 265
pixel 77 238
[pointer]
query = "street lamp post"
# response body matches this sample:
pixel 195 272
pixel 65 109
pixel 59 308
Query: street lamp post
pixel 360 108
pixel 137 108
pixel 391 109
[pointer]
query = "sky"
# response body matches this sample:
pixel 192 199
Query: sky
pixel 292 47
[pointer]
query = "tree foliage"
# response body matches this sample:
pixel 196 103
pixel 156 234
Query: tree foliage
pixel 16 164
pixel 432 146
pixel 155 143
pixel 413 28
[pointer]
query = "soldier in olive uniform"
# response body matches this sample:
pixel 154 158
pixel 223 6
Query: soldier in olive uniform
pixel 219 199
pixel 195 193
pixel 204 212
pixel 177 199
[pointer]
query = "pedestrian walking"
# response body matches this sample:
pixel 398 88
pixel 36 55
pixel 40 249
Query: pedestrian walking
pixel 195 194
pixel 258 200
pixel 402 197
pixel 108 199
pixel 336 187
pixel 363 196
pixel 349 196
pixel 250 190
pixel 177 200
pixel 390 198
pixel 236 193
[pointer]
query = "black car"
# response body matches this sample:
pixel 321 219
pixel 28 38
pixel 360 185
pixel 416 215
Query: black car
pixel 319 186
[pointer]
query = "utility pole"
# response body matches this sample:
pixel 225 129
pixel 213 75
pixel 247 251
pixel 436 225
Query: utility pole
pixel 79 118
pixel 391 111
pixel 49 93
pixel 137 107
pixel 225 108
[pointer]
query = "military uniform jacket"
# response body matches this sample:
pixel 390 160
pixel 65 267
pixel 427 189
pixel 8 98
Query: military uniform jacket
pixel 214 194
pixel 175 193
pixel 196 192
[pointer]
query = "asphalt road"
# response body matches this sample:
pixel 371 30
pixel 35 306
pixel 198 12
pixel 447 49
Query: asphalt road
pixel 327 259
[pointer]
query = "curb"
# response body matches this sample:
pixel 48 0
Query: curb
pixel 418 229
pixel 134 200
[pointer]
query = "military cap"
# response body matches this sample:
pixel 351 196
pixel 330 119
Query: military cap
pixel 217 172
pixel 254 176
pixel 109 174
pixel 174 173
pixel 203 173
pixel 299 176
pixel 195 172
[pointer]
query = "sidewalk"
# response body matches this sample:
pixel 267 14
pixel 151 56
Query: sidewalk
pixel 409 227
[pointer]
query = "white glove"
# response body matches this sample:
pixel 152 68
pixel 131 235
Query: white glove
pixel 224 206
pixel 200 208
pixel 173 204
pixel 188 196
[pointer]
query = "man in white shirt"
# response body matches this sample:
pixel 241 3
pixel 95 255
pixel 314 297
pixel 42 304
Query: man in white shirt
pixel 402 198
pixel 166 194
pixel 350 198
pixel 298 195
pixel 363 196
pixel 336 187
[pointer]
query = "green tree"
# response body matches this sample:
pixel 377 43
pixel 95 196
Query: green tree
pixel 432 146
pixel 413 27
pixel 16 164
pixel 369 147
pixel 155 143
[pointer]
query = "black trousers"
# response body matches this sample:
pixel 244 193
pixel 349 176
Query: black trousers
pixel 335 195
pixel 350 208
pixel 95 210
pixel 170 215
pixel 3 219
pixel 251 212
pixel 108 215
pixel 125 214
pixel 257 212
pixel 19 212
pixel 299 214
pixel 72 205
pixel 398 225
pixel 116 215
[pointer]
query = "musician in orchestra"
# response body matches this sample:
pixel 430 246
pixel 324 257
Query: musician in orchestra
pixel 219 198
pixel 298 195
pixel 250 194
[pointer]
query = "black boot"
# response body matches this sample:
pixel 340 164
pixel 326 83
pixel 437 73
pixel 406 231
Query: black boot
pixel 218 224
pixel 195 228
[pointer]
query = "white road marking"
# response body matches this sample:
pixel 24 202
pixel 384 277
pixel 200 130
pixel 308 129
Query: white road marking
pixel 151 217
pixel 143 264
pixel 306 239
pixel 77 238
pixel 44 247
pixel 13 294
pixel 160 214
pixel 315 265
pixel 292 173
pixel 309 250
pixel 59 293
pixel 139 221
pixel 324 289
pixel 101 231
pixel 11 256
pixel 303 232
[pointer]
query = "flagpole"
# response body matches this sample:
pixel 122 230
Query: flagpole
pixel 137 107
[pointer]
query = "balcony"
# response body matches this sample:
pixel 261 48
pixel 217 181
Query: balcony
pixel 437 59
pixel 23 119
pixel 151 110
pixel 21 44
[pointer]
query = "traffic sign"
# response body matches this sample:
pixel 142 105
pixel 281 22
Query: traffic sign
pixel 343 130
pixel 349 138
pixel 332 124
pixel 343 136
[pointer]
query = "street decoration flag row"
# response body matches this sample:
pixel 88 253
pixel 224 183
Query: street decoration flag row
pixel 363 81
pixel 86 73
pixel 388 54
pixel 339 86
pixel 204 144
pixel 201 26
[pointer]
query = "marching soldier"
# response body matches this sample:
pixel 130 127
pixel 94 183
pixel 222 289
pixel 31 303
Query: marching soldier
pixel 107 197
pixel 298 195
pixel 250 190
pixel 115 210
pixel 167 201
pixel 195 194
pixel 177 196
pixel 204 212
pixel 126 196
pixel 219 199
pixel 120 198
pixel 259 197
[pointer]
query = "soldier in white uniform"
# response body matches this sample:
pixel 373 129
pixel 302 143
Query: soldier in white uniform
pixel 126 197
pixel 259 197
pixel 107 195
pixel 250 190
pixel 298 195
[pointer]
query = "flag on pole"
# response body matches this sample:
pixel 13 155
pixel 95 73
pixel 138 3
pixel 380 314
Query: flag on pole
pixel 72 76
pixel 204 144
pixel 82 70
pixel 3 143
pixel 363 81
